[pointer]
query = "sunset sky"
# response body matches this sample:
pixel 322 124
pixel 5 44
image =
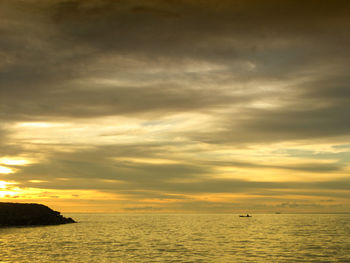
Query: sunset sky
pixel 184 106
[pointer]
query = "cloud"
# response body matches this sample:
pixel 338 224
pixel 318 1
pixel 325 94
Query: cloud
pixel 97 169
pixel 194 82
pixel 314 167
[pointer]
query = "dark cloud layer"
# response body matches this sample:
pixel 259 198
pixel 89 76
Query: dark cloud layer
pixel 51 50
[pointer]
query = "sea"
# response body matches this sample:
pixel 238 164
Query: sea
pixel 182 238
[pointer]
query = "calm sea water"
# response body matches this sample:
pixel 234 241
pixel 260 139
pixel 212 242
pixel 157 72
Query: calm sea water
pixel 182 238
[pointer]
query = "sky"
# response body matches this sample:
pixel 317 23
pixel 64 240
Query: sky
pixel 176 106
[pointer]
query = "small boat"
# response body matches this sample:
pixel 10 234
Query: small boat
pixel 245 215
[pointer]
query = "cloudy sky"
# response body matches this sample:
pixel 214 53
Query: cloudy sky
pixel 176 105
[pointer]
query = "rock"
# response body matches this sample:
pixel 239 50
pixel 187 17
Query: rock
pixel 18 214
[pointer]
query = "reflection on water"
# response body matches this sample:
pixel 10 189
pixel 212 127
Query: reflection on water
pixel 182 238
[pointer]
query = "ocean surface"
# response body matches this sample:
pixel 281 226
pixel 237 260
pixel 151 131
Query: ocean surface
pixel 182 238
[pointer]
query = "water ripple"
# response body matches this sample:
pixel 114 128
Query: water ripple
pixel 182 238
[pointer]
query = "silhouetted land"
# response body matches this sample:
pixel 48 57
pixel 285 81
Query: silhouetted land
pixel 17 214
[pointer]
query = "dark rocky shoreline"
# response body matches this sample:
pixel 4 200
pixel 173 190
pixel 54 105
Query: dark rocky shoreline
pixel 18 214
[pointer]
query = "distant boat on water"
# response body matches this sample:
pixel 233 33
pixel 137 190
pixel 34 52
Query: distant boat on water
pixel 245 215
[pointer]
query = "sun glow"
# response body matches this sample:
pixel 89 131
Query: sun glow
pixel 5 170
pixel 147 160
pixel 37 181
pixel 11 190
pixel 6 191
pixel 3 184
pixel 35 124
pixel 13 161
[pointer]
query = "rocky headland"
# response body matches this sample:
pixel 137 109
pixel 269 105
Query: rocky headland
pixel 18 214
